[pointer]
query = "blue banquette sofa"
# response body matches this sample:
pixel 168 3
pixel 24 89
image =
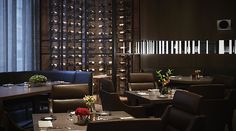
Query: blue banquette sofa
pixel 74 77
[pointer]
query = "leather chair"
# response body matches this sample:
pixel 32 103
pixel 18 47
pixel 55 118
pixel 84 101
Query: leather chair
pixel 141 81
pixel 183 115
pixel 232 107
pixel 215 105
pixel 228 81
pixel 68 97
pixel 208 91
pixel 7 124
pixel 111 101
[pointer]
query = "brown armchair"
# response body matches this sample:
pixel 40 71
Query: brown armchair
pixel 141 81
pixel 7 124
pixel 228 81
pixel 111 101
pixel 181 116
pixel 215 105
pixel 68 97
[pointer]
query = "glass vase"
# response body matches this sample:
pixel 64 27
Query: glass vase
pixel 82 120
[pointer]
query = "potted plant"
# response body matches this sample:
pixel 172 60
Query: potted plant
pixel 164 80
pixel 37 80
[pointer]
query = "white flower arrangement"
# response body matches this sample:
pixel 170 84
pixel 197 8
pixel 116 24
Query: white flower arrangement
pixel 89 100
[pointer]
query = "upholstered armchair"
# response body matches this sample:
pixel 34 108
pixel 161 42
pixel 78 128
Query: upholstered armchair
pixel 141 81
pixel 68 97
pixel 215 106
pixel 111 100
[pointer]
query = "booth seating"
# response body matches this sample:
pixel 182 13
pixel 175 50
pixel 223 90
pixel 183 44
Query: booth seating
pixel 24 105
pixel 74 77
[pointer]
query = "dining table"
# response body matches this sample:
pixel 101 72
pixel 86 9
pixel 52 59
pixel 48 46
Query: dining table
pixel 147 96
pixel 152 99
pixel 183 82
pixel 68 121
pixel 24 90
pixel 189 80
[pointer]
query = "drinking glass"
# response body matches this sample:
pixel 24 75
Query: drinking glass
pixel 70 119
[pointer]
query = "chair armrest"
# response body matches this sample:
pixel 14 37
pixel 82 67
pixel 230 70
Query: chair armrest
pixel 199 124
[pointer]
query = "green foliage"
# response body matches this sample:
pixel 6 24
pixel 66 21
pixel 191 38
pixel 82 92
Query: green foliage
pixel 164 78
pixel 37 79
pixel 164 90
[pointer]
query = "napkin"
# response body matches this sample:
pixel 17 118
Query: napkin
pixel 45 124
pixel 127 117
pixel 143 93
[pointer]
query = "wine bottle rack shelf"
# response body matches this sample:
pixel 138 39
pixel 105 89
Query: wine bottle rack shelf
pixel 80 36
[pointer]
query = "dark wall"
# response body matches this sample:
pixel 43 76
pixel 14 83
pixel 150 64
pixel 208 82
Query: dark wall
pixel 44 35
pixel 186 19
pixel 210 64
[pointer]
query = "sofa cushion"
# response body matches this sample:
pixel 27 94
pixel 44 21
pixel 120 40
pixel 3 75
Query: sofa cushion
pixel 68 76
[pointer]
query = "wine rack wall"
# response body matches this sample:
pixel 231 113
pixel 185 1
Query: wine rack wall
pixel 80 36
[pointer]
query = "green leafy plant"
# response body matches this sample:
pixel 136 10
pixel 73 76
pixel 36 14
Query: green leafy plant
pixel 37 79
pixel 164 90
pixel 164 79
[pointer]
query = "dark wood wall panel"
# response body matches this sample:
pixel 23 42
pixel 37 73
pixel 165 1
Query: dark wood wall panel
pixel 44 35
pixel 186 64
pixel 186 19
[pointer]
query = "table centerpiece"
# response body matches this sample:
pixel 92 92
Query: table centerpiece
pixel 82 115
pixel 37 80
pixel 164 80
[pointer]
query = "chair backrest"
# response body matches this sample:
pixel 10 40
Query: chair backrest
pixel 7 124
pixel 214 105
pixel 68 97
pixel 228 81
pixel 141 81
pixel 111 101
pixel 216 112
pixel 183 115
pixel 208 91
pixel 107 85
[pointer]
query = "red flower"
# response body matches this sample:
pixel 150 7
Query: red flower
pixel 82 111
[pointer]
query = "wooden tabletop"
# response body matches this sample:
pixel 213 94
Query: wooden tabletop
pixel 188 80
pixel 15 91
pixel 63 121
pixel 147 97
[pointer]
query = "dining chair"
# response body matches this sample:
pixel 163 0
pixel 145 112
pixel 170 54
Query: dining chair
pixel 182 115
pixel 68 97
pixel 232 106
pixel 7 124
pixel 108 86
pixel 215 105
pixel 141 81
pixel 208 91
pixel 111 101
pixel 228 81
